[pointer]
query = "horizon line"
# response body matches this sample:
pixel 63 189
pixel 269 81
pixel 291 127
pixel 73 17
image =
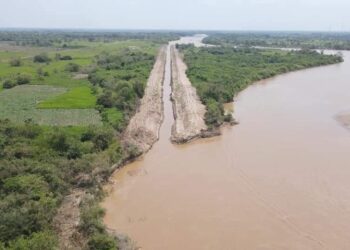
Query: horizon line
pixel 165 30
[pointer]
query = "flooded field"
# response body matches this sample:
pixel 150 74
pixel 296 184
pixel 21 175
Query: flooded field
pixel 278 180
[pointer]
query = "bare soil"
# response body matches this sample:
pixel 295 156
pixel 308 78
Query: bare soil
pixel 143 129
pixel 67 220
pixel 188 110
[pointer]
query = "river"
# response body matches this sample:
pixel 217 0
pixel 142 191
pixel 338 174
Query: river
pixel 278 180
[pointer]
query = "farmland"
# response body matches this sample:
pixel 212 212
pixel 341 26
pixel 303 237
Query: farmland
pixel 68 67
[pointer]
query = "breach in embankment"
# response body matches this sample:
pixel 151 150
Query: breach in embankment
pixel 143 129
pixel 189 112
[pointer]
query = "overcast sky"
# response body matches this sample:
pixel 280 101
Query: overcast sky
pixel 326 15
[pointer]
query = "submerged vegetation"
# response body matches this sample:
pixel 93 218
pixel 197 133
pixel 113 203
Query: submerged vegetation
pixel 219 73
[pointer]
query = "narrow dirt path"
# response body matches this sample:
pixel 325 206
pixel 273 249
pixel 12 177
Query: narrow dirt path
pixel 188 110
pixel 143 129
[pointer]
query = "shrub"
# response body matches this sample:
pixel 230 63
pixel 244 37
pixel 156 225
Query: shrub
pixel 139 89
pixel 8 84
pixel 106 99
pixel 41 58
pixel 59 142
pixel 214 115
pixel 66 58
pixel 102 242
pixel 102 139
pixel 15 62
pixel 72 67
pixel 23 79
pixel 74 152
pixel 91 222
pixel 43 241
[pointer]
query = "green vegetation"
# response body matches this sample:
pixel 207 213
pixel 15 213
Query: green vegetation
pixel 121 76
pixel 15 62
pixel 18 79
pixel 78 39
pixel 76 98
pixel 19 104
pixel 62 110
pixel 92 72
pixel 219 73
pixel 38 166
pixel 42 58
pixel 305 40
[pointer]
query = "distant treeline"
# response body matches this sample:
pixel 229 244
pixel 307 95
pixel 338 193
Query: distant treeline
pixel 306 40
pixel 61 38
pixel 219 73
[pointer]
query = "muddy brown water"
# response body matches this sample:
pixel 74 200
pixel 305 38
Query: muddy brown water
pixel 278 180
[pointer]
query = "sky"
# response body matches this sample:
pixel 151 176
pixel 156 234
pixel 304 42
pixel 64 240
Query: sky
pixel 296 15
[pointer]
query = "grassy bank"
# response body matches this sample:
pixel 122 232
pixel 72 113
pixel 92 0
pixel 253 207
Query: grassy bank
pixel 219 73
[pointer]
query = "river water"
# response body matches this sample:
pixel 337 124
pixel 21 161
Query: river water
pixel 278 180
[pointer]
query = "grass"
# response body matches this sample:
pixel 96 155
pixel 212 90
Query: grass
pixel 19 104
pixel 114 115
pixel 76 98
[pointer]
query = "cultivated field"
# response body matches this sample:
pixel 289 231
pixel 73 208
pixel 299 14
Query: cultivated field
pixel 20 104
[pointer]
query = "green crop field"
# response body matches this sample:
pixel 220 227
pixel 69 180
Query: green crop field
pixel 76 98
pixel 19 104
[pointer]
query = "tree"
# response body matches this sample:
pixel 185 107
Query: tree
pixel 59 142
pixel 106 99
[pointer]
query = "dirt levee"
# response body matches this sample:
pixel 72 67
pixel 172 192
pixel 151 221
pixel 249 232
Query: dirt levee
pixel 188 110
pixel 143 129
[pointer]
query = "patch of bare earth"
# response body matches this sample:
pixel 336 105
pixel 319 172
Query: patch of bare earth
pixel 80 76
pixel 188 110
pixel 67 220
pixel 143 128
